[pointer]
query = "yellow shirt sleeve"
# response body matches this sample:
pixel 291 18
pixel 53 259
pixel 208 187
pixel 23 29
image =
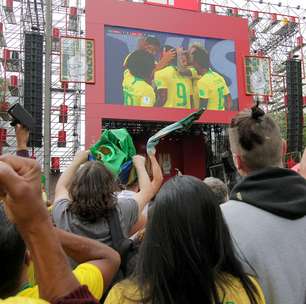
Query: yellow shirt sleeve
pixel 226 89
pixel 22 300
pixel 124 292
pixel 90 275
pixel 161 79
pixel 87 274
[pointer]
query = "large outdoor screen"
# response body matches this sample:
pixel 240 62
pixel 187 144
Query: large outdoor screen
pixel 202 71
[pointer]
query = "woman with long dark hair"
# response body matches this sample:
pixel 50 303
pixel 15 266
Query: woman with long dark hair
pixel 187 255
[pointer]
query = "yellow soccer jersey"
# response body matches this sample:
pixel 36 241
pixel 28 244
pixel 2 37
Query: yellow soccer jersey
pixel 137 92
pixel 213 87
pixel 179 87
pixel 128 78
pixel 87 274
pixel 127 292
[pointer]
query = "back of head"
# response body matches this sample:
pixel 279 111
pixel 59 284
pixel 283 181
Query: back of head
pixel 256 138
pixel 141 64
pixel 200 57
pixel 171 48
pixel 12 257
pixel 218 187
pixel 92 192
pixel 152 41
pixel 187 245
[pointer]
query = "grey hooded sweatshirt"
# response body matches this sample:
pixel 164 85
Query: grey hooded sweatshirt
pixel 266 216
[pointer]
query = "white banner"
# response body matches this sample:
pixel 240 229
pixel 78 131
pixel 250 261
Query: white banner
pixel 77 60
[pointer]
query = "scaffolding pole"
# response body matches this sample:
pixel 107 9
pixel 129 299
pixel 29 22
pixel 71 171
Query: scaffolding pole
pixel 47 101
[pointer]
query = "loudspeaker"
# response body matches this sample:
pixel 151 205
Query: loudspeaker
pixel 295 119
pixel 33 83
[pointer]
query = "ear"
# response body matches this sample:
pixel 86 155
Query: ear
pixel 240 165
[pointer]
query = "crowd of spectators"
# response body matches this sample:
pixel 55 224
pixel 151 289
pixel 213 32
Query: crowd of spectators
pixel 198 242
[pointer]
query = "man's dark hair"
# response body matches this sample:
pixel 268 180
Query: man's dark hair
pixel 201 57
pixel 141 64
pixel 152 41
pixel 169 48
pixel 256 137
pixel 92 192
pixel 12 256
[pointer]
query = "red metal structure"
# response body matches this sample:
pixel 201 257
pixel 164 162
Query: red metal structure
pixel 163 20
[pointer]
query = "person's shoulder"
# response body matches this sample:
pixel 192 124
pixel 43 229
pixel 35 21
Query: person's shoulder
pixel 22 300
pixel 124 292
pixel 235 291
pixel 60 206
pixel 88 267
pixel 233 206
pixel 216 76
pixel 147 88
pixel 90 275
pixel 142 85
pixel 124 201
pixel 204 79
pixel 165 71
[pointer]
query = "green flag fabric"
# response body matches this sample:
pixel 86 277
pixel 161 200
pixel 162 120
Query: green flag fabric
pixel 182 125
pixel 114 148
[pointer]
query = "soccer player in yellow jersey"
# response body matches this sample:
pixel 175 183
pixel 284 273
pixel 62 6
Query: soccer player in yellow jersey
pixel 152 46
pixel 211 88
pixel 173 89
pixel 137 89
pixel 186 69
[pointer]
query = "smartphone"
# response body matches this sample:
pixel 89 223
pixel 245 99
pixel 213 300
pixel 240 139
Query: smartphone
pixel 20 115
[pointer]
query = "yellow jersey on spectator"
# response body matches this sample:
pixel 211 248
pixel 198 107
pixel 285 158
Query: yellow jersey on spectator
pixel 86 274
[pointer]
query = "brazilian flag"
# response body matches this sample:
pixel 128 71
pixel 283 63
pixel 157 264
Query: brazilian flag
pixel 115 149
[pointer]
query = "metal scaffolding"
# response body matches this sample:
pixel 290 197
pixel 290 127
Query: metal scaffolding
pixel 277 30
pixel 68 19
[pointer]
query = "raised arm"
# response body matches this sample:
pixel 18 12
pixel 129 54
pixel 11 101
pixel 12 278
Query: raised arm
pixel 145 188
pixel 63 183
pixel 166 58
pixel 22 137
pixel 157 174
pixel 20 189
pixel 85 250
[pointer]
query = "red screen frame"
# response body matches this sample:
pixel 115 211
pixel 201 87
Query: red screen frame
pixel 162 19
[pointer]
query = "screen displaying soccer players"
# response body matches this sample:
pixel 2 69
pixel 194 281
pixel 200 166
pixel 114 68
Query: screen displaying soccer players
pixel 154 69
